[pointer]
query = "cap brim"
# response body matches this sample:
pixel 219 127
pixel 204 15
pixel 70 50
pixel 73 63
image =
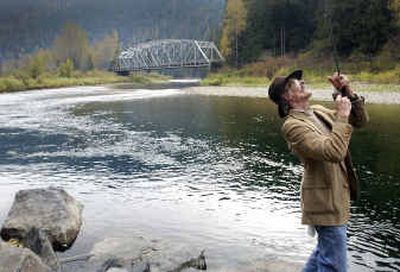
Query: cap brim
pixel 298 74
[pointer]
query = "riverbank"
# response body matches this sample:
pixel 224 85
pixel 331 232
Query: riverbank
pixel 21 82
pixel 315 70
pixel 374 93
pixel 319 94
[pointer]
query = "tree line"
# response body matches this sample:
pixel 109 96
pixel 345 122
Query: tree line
pixel 70 51
pixel 27 26
pixel 364 28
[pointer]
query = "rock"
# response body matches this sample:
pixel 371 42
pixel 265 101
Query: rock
pixel 52 210
pixel 37 241
pixel 278 265
pixel 111 264
pixel 114 269
pixel 16 259
pixel 138 254
pixel 197 263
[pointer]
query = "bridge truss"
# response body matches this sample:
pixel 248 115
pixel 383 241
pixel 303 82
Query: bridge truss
pixel 169 53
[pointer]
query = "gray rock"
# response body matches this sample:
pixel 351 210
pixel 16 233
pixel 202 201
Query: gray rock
pixel 16 259
pixel 37 241
pixel 197 263
pixel 138 254
pixel 278 265
pixel 52 210
pixel 110 264
pixel 114 269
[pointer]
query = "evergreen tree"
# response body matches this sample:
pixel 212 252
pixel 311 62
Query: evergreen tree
pixel 292 26
pixel 361 25
pixel 394 6
pixel 257 35
pixel 278 26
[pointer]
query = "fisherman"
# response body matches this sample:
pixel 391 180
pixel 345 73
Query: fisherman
pixel 320 138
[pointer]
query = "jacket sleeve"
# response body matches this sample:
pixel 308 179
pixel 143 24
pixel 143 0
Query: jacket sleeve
pixel 309 144
pixel 358 115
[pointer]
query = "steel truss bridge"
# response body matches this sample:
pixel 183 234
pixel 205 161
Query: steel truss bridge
pixel 166 54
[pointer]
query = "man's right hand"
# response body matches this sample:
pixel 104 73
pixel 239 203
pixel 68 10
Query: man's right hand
pixel 343 106
pixel 341 84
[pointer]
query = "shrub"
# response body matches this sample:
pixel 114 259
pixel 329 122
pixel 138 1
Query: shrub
pixel 11 84
pixel 139 79
pixel 66 68
pixel 213 81
pixel 36 66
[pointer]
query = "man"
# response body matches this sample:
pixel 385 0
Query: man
pixel 320 138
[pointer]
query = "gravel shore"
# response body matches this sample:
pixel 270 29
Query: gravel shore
pixel 318 94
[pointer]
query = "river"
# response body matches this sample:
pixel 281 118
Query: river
pixel 208 171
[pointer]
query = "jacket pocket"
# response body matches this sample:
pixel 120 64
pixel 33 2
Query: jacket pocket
pixel 317 200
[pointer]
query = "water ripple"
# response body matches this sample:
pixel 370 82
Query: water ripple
pixel 207 171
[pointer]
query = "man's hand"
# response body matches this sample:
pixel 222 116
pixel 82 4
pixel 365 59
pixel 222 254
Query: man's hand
pixel 343 106
pixel 341 83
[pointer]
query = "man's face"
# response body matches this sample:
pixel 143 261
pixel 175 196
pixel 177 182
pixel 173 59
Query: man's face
pixel 297 92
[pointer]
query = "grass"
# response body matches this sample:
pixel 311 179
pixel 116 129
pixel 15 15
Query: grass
pixel 376 87
pixel 218 79
pixel 383 81
pixel 385 77
pixel 147 79
pixel 20 81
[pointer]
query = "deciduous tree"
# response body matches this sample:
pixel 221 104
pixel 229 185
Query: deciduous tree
pixel 72 44
pixel 104 51
pixel 233 26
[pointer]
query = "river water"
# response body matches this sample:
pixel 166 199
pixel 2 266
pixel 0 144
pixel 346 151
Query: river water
pixel 211 172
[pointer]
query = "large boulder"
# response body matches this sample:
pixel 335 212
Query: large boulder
pixel 16 259
pixel 51 210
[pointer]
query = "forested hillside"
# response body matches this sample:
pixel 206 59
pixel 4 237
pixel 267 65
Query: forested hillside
pixel 361 28
pixel 27 25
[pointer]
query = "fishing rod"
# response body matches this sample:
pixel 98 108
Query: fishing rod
pixel 335 54
pixel 334 49
pixel 333 42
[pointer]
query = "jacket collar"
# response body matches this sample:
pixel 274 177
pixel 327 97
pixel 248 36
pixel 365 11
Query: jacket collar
pixel 305 116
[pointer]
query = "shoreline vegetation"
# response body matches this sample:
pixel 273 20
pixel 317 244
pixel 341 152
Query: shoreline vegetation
pixel 318 94
pixel 253 76
pixel 21 82
pixel 229 80
pixel 360 82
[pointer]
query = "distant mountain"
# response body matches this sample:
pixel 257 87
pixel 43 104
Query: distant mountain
pixel 26 25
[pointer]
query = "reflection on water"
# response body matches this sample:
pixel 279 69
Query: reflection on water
pixel 216 166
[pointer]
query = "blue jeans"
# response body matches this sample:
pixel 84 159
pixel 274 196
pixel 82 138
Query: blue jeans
pixel 331 250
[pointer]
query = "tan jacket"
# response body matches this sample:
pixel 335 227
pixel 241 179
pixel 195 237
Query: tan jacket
pixel 325 194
